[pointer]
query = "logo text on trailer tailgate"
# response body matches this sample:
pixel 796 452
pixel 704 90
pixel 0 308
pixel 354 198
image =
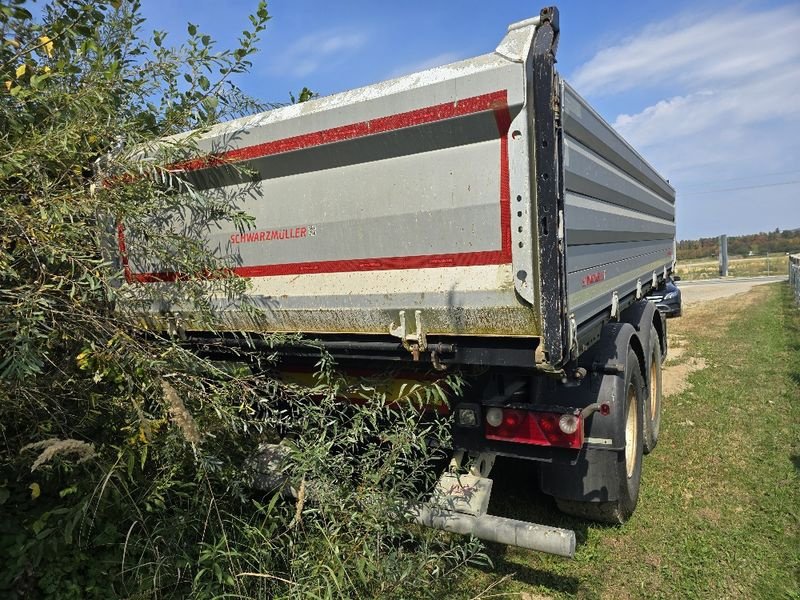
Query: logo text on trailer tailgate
pixel 270 235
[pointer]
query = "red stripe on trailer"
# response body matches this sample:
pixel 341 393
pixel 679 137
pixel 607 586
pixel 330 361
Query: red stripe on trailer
pixel 497 102
pixel 123 251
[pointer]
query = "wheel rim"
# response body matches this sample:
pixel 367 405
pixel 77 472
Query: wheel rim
pixel 653 388
pixel 631 432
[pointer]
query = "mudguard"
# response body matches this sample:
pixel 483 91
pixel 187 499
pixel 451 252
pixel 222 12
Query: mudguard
pixel 594 476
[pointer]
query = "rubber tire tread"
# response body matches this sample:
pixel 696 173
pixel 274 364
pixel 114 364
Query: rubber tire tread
pixel 652 423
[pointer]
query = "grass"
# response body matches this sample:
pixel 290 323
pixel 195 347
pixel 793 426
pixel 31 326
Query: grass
pixel 718 513
pixel 777 264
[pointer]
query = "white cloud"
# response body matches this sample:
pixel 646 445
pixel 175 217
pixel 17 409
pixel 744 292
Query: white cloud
pixel 427 63
pixel 726 46
pixel 722 101
pixel 307 54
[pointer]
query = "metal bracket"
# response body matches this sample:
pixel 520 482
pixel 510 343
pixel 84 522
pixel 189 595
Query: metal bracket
pixel 638 289
pixel 615 306
pixel 573 333
pixel 655 280
pixel 175 325
pixel 482 464
pixel 465 493
pixel 413 342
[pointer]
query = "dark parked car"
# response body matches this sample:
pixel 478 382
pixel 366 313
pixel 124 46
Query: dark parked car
pixel 667 299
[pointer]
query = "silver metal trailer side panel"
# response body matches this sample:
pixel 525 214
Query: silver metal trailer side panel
pixel 395 197
pixel 619 214
pixel 485 195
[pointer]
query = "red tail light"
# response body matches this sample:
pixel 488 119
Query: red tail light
pixel 538 428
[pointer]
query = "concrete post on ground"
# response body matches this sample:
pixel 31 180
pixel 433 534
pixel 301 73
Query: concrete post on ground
pixel 723 256
pixel 794 276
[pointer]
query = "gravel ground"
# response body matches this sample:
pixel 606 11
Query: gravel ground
pixel 694 292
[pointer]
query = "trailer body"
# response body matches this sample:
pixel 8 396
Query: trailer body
pixel 437 192
pixel 475 214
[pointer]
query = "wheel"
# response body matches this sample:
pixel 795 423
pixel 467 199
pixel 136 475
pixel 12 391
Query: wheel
pixel 652 412
pixel 629 461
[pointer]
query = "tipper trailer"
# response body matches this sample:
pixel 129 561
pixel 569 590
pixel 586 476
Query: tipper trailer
pixel 479 215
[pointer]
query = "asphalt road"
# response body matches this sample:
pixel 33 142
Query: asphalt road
pixel 693 292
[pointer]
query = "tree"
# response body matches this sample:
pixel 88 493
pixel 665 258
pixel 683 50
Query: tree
pixel 124 452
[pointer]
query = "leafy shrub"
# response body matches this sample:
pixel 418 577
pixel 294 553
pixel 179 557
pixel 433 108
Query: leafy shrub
pixel 124 470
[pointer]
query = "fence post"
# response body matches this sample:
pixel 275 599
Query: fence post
pixel 723 256
pixel 794 276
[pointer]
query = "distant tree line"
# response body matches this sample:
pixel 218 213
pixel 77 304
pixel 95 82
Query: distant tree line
pixel 758 243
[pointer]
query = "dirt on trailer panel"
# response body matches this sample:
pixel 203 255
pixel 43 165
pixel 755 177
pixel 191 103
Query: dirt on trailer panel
pixel 715 516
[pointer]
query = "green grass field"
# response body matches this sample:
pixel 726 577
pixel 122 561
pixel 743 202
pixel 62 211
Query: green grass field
pixel 718 513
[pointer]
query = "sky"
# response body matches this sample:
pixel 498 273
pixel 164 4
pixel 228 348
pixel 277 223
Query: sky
pixel 707 91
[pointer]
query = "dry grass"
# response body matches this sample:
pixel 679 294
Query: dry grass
pixel 180 415
pixel 53 447
pixel 737 267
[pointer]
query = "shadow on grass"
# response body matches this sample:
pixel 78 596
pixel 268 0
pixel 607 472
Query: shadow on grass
pixel 516 495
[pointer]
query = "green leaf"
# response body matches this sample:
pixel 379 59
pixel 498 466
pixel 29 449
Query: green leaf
pixel 67 491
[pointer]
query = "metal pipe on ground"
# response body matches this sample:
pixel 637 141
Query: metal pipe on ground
pixel 512 532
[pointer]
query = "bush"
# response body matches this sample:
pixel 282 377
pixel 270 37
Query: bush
pixel 124 470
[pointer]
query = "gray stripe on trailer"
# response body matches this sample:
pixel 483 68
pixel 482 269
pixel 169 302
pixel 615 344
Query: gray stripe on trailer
pixel 438 135
pixel 589 220
pixel 587 256
pixel 592 175
pixel 584 124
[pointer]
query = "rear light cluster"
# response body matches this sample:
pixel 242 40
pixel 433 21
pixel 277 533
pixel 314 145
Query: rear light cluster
pixel 538 428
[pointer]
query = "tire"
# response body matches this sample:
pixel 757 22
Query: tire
pixel 652 402
pixel 629 460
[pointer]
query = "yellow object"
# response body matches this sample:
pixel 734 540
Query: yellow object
pixel 21 70
pixel 47 44
pixel 36 491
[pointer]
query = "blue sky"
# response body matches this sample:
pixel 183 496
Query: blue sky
pixel 709 92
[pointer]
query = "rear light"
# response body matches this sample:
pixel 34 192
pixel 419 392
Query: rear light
pixel 537 428
pixel 568 424
pixel 494 417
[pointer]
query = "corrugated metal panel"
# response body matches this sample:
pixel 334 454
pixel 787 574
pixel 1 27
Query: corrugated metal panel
pixel 619 213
